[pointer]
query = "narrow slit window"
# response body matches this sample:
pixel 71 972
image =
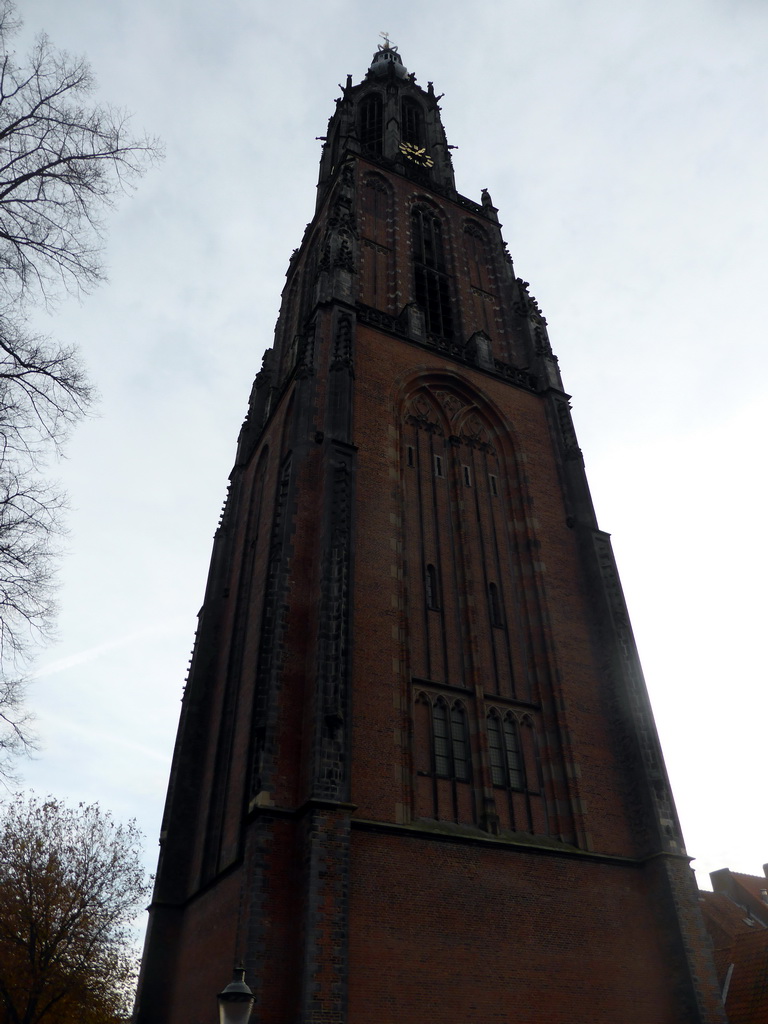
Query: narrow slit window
pixel 496 751
pixel 442 739
pixel 438 465
pixel 459 745
pixel 410 455
pixel 514 761
pixel 467 476
pixel 493 594
pixel 494 485
pixel 430 586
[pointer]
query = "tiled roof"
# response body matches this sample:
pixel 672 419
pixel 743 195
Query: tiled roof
pixel 755 885
pixel 740 942
pixel 747 998
pixel 725 915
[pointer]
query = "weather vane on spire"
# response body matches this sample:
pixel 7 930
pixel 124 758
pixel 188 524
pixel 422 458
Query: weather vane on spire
pixel 387 45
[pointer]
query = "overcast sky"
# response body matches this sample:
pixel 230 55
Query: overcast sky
pixel 625 146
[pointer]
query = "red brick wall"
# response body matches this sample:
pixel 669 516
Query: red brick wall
pixel 446 932
pixel 583 767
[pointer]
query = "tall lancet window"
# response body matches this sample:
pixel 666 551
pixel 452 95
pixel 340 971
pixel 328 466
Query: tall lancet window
pixel 504 750
pixel 371 126
pixel 432 284
pixel 412 127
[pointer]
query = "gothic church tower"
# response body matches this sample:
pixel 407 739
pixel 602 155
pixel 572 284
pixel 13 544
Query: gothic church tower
pixel 416 775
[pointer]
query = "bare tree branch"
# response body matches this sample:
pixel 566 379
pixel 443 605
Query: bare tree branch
pixel 63 161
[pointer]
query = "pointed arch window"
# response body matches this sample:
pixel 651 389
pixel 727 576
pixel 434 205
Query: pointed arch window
pixel 412 127
pixel 450 745
pixel 442 759
pixel 432 284
pixel 504 750
pixel 371 125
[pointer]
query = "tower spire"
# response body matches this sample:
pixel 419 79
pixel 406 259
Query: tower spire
pixel 387 55
pixel 389 118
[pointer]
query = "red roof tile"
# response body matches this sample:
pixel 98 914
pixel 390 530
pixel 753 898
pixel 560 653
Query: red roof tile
pixel 747 998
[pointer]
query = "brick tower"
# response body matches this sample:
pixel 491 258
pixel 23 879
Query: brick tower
pixel 416 776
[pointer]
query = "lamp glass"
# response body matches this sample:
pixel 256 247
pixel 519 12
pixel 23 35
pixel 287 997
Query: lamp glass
pixel 236 1001
pixel 235 1011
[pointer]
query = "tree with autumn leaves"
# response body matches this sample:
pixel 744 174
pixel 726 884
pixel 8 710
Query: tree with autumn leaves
pixel 71 887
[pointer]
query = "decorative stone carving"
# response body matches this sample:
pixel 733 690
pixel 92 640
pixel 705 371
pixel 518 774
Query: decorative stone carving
pixel 376 247
pixel 474 427
pixel 422 413
pixel 342 345
pixel 450 402
pixel 528 306
pixel 570 445
pixel 305 353
pixel 374 181
pixel 344 258
pixel 324 263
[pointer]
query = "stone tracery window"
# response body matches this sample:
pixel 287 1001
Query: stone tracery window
pixel 450 756
pixel 504 749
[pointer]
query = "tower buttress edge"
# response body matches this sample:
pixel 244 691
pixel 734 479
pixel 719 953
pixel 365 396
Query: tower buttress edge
pixel 417 771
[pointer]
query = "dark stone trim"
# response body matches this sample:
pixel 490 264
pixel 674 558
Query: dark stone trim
pixel 323 979
pixel 485 839
pixel 642 747
pixel 273 624
pixel 399 327
pixel 332 717
pixel 314 803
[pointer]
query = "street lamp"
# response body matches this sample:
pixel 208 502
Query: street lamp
pixel 236 1000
